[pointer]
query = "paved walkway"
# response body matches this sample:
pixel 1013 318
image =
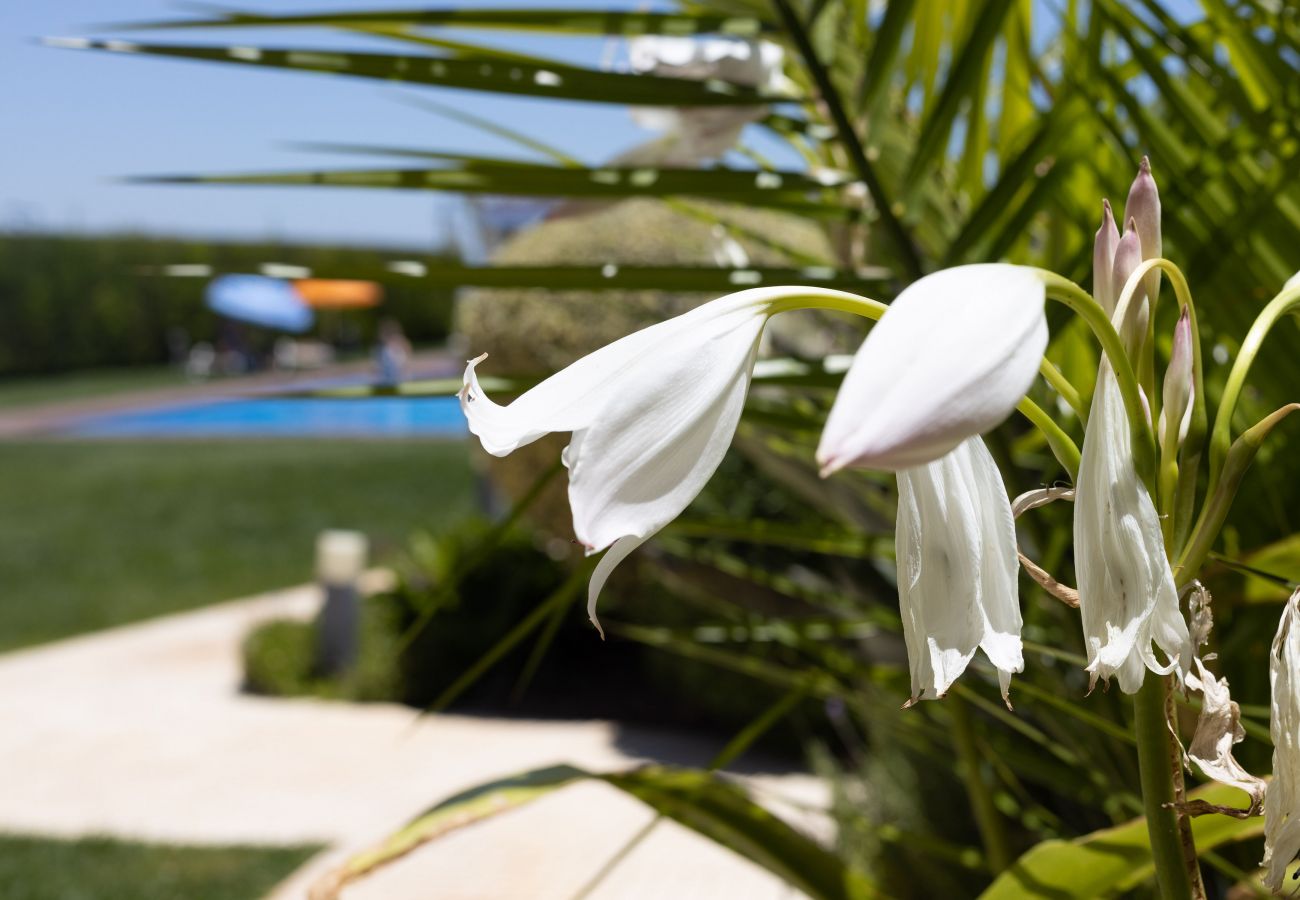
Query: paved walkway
pixel 140 732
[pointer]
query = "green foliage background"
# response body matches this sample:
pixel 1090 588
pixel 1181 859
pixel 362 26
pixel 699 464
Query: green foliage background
pixel 80 302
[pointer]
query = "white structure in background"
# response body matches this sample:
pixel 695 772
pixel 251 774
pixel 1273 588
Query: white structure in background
pixel 340 560
pixel 705 132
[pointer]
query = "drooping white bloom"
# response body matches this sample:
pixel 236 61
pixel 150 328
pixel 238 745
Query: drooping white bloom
pixel 951 358
pixel 652 415
pixel 1127 596
pixel 957 569
pixel 1282 802
pixel 693 134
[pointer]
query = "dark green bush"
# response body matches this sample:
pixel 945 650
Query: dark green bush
pixel 280 660
pixel 81 302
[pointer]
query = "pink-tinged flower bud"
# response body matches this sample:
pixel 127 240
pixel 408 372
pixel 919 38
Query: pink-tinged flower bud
pixel 1103 259
pixel 1179 389
pixel 1128 256
pixel 1143 209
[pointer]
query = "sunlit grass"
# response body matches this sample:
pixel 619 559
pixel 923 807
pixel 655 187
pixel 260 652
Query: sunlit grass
pixel 34 868
pixel 99 534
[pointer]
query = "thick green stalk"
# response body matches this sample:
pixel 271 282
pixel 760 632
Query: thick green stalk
pixel 996 850
pixel 1155 754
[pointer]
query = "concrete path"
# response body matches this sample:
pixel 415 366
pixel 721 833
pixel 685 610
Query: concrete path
pixel 141 732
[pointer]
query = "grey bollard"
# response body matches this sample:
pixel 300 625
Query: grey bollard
pixel 340 560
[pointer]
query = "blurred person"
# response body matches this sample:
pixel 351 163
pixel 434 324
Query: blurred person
pixel 393 352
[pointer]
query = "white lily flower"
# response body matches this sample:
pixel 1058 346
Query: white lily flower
pixel 1282 802
pixel 957 569
pixel 951 358
pixel 652 415
pixel 1127 596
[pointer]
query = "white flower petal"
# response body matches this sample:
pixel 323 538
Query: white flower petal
pixel 1127 597
pixel 950 359
pixel 1218 728
pixel 651 414
pixel 1282 802
pixel 652 450
pixel 957 568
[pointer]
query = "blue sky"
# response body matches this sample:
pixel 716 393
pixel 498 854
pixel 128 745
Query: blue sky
pixel 74 122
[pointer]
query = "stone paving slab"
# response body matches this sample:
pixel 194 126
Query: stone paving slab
pixel 141 732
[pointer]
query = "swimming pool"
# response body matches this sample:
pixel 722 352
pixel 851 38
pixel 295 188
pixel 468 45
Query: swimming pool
pixel 377 417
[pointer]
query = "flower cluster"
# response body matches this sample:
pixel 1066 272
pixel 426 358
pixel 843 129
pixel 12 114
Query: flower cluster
pixel 652 415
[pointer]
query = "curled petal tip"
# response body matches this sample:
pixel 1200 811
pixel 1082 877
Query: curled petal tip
pixel 1105 208
pixel 1145 165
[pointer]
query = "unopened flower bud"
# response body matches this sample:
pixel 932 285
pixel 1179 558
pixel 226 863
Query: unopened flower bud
pixel 1178 386
pixel 1103 259
pixel 1143 209
pixel 1128 256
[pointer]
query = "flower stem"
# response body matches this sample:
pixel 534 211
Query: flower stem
pixel 1081 302
pixel 1155 752
pixel 1221 435
pixel 996 851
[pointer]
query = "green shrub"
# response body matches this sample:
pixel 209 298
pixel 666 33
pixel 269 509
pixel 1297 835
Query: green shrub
pixel 280 660
pixel 82 302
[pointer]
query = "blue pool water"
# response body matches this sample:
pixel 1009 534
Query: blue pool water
pixel 388 417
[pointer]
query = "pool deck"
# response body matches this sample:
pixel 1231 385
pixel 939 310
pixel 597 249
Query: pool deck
pixel 48 420
pixel 141 732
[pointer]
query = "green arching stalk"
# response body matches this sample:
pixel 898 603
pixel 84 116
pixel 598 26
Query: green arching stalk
pixel 826 298
pixel 1219 500
pixel 1221 435
pixel 1081 302
pixel 1069 393
pixel 997 852
pixel 1060 443
pixel 1155 753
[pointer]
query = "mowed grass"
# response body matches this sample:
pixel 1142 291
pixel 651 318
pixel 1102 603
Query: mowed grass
pixel 82 385
pixel 104 869
pixel 97 534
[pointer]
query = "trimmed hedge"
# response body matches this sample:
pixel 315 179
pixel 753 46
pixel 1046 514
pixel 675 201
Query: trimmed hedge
pixel 84 302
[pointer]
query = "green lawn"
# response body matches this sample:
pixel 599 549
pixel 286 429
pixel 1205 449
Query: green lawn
pixel 100 533
pixel 104 869
pixel 27 391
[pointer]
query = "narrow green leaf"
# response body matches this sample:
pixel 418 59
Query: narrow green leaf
pixel 782 190
pixel 962 80
pixel 563 21
pixel 702 801
pixel 1114 859
pixel 503 77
